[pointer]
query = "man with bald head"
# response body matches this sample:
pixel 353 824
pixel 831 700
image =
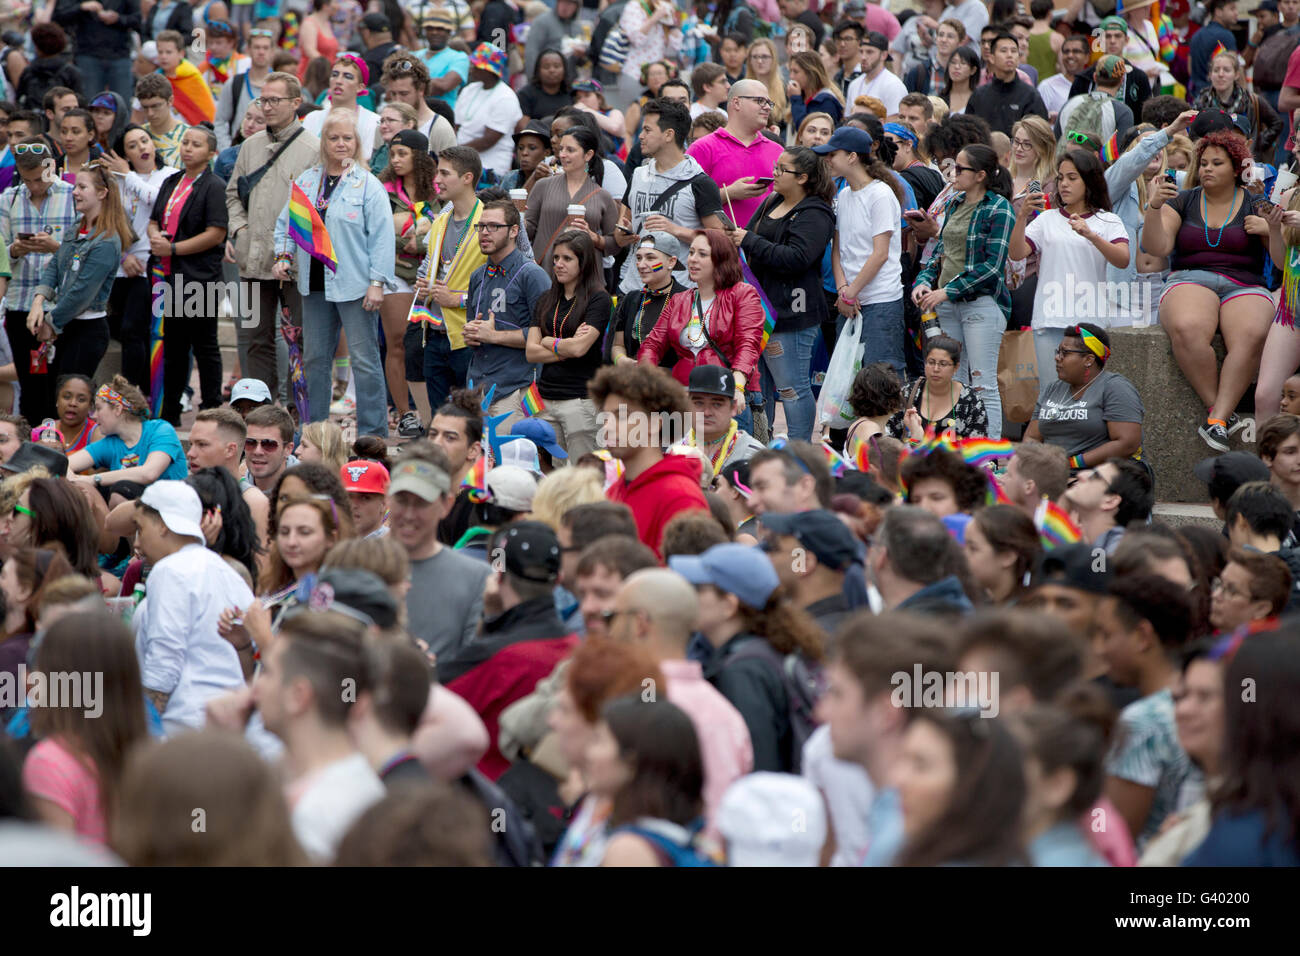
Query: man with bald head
pixel 740 153
pixel 656 609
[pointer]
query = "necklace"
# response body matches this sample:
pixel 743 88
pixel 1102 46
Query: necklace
pixel 929 401
pixel 1205 219
pixel 460 241
pixel 696 334
pixel 556 322
pixel 647 293
pixel 325 191
pixel 1075 396
pixel 725 444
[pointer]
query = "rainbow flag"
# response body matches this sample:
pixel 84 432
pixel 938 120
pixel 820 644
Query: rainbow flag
pixel 1165 37
pixel 7 169
pixel 835 460
pixel 532 401
pixel 862 456
pixel 158 283
pixel 308 230
pixel 1218 48
pixel 476 480
pixel 1110 151
pixel 769 314
pixel 1055 529
pixel 420 312
pixel 191 94
pixel 981 451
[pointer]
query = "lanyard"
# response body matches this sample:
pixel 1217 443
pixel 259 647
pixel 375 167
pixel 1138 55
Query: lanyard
pixel 178 197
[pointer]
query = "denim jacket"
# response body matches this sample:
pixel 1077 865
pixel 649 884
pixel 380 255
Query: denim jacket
pixel 360 227
pixel 79 276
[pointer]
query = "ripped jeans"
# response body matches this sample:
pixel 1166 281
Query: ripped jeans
pixel 978 326
pixel 784 370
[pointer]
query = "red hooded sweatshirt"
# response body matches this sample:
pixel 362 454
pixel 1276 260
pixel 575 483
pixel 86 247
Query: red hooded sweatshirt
pixel 659 494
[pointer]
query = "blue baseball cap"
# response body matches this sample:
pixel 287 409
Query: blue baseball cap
pixel 848 138
pixel 541 434
pixel 735 568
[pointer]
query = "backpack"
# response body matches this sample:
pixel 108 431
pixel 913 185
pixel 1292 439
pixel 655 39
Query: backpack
pixel 1094 115
pixel 669 851
pixel 514 842
pixel 613 52
pixel 803 683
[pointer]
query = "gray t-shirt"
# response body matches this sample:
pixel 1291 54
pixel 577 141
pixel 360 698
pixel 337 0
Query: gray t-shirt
pixel 1079 424
pixel 445 602
pixel 685 207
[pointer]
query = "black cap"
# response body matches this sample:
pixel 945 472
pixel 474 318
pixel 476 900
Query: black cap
pixel 32 455
pixel 821 532
pixel 1074 566
pixel 877 39
pixel 531 551
pixel 358 594
pixel 536 128
pixel 412 139
pixel 376 23
pixel 1226 473
pixel 712 380
pixel 1269 5
pixel 1210 121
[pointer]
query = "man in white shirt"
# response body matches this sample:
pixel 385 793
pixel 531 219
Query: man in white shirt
pixel 973 14
pixel 406 80
pixel 875 79
pixel 487 110
pixel 310 677
pixel 184 661
pixel 1055 90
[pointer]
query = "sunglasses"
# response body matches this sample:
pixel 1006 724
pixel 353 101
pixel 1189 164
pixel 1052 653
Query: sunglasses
pixel 262 33
pixel 23 510
pixel 22 149
pixel 268 444
pixel 963 169
pixel 1077 137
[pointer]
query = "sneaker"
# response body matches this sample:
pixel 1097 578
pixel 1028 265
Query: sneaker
pixel 410 426
pixel 187 405
pixel 1235 424
pixel 1214 435
pixel 344 406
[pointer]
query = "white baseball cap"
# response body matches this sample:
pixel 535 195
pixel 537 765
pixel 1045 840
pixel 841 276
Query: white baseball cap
pixel 253 389
pixel 178 505
pixel 521 453
pixel 772 819
pixel 512 487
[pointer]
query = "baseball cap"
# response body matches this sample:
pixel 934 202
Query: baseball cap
pixel 735 568
pixel 875 38
pixel 1113 23
pixel 361 595
pixel 1210 121
pixel 149 51
pixel 104 101
pixel 364 477
pixel 530 548
pixel 848 138
pixel 512 487
pixel 1073 566
pixel 536 128
pixel 412 139
pixel 1269 5
pixel 253 389
pixel 664 242
pixel 1232 469
pixel 521 453
pixel 712 380
pixel 438 18
pixel 421 478
pixel 854 7
pixel 376 23
pixel 1110 68
pixel 542 434
pixel 587 86
pixel 178 505
pixel 754 818
pixel 821 532
pixel 33 455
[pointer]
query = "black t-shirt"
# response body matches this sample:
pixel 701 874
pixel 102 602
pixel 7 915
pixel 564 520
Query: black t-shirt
pixel 926 184
pixel 568 378
pixel 635 323
pixel 458 519
pixel 316 277
pixel 536 103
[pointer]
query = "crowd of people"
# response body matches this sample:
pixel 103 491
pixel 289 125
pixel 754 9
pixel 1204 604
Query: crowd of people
pixel 618 466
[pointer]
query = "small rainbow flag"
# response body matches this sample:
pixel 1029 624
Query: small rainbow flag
pixel 158 283
pixel 769 314
pixel 191 95
pixel 1110 150
pixel 476 480
pixel 420 312
pixel 1218 48
pixel 1055 529
pixel 835 460
pixel 532 402
pixel 863 456
pixel 308 229
pixel 981 451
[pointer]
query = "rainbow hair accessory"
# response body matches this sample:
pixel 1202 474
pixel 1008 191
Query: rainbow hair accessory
pixel 1092 343
pixel 112 396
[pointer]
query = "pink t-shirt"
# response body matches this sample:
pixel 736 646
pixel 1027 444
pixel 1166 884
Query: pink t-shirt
pixel 727 159
pixel 52 773
pixel 1112 842
pixel 882 21
pixel 725 747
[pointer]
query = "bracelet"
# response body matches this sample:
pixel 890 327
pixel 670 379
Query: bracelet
pixel 284 257
pixel 555 346
pixel 173 248
pixel 1076 461
pixel 846 300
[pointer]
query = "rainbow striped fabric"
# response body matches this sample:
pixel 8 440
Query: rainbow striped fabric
pixel 981 451
pixel 420 312
pixel 1110 150
pixel 835 460
pixel 158 282
pixel 1218 48
pixel 1165 36
pixel 769 314
pixel 308 229
pixel 532 401
pixel 476 480
pixel 191 94
pixel 1055 529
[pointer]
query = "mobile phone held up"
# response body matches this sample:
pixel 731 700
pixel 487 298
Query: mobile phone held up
pixel 764 181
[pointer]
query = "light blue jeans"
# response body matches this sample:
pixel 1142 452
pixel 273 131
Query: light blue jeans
pixel 1046 342
pixel 321 322
pixel 978 326
pixel 785 374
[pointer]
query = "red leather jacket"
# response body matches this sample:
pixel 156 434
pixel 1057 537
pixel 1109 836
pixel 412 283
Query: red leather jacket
pixel 735 324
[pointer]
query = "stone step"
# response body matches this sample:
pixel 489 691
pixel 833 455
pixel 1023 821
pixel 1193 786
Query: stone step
pixel 1180 514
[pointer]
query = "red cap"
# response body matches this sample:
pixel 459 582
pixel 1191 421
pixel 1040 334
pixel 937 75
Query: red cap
pixel 365 477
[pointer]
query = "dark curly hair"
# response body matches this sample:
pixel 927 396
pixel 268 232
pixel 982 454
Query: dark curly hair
pixel 875 391
pixel 968 484
pixel 1232 144
pixel 649 387
pixel 954 134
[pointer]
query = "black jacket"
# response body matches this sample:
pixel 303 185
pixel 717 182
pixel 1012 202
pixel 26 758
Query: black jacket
pixel 181 19
pixel 754 688
pixel 206 206
pixel 790 269
pixel 1003 105
pixel 42 75
pixel 92 36
pixel 1136 90
pixel 534 620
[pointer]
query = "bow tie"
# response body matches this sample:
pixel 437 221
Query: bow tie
pixel 495 271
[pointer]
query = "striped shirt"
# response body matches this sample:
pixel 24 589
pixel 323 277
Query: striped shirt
pixel 57 216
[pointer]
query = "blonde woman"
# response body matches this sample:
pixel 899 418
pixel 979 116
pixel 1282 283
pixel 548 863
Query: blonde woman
pixel 1033 154
pixel 815 130
pixel 323 442
pixel 1227 91
pixel 762 65
pixel 566 488
pixel 811 89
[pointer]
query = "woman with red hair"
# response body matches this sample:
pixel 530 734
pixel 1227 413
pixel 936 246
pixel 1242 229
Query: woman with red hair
pixel 1217 246
pixel 719 322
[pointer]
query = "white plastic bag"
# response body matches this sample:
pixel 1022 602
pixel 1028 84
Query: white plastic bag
pixel 833 402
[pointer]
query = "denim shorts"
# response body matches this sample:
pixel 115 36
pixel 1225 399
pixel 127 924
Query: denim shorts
pixel 1225 288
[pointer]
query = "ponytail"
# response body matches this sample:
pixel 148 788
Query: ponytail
pixel 984 160
pixel 589 140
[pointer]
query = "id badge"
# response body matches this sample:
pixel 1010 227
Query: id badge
pixel 76 265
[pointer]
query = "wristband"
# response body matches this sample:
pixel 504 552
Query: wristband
pixel 1076 461
pixel 846 300
pixel 173 248
pixel 555 346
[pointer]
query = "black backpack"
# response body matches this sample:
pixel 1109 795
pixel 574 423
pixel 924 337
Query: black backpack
pixel 514 841
pixel 803 682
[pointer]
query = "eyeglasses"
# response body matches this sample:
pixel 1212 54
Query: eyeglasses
pixel 268 444
pixel 763 102
pixel 1022 144
pixel 271 101
pixel 22 149
pixel 761 57
pixel 784 169
pixel 936 363
pixel 1218 584
pixel 490 226
pixel 1061 352
pixel 959 168
pixel 23 510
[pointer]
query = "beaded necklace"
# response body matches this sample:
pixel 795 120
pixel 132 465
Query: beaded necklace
pixel 648 293
pixel 455 254
pixel 556 322
pixel 727 442
pixel 1205 219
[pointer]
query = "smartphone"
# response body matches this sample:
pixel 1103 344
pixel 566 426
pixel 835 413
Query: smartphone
pixel 1034 187
pixel 726 220
pixel 764 180
pixel 915 214
pixel 1172 176
pixel 25 236
pixel 622 228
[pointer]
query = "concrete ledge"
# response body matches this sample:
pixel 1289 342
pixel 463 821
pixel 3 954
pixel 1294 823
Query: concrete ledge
pixel 1185 515
pixel 1172 410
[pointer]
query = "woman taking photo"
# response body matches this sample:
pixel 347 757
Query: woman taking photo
pixel 548 90
pixel 71 298
pixel 1033 155
pixel 961 79
pixel 187 241
pixel 966 285
pixel 305 529
pixel 784 243
pixel 348 78
pixel 1228 93
pixel 811 91
pixel 1002 548
pixel 719 322
pixel 74 773
pixel 131 447
pixel 1216 281
pixel 638 312
pixel 1094 415
pixel 73 428
pixel 549 202
pixel 565 340
pixel 355 209
pixel 409 181
pixel 1075 241
pixel 139 176
pixel 762 65
pixel 393 118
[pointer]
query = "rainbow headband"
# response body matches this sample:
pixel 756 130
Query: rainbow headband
pixel 1093 344
pixel 111 396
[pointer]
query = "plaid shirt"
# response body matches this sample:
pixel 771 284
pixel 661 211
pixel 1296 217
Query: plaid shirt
pixel 57 216
pixel 987 242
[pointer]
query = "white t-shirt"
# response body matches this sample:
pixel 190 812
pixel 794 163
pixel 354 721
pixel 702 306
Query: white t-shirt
pixel 886 87
pixel 479 110
pixel 1071 271
pixel 699 109
pixel 326 804
pixel 367 127
pixel 848 793
pixel 860 216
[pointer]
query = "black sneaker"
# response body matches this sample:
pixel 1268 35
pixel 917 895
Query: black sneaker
pixel 1235 424
pixel 410 426
pixel 1214 435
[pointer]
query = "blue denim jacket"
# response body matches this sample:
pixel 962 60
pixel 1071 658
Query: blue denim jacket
pixel 360 226
pixel 79 277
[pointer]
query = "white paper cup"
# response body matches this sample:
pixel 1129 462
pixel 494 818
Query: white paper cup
pixel 575 210
pixel 1285 180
